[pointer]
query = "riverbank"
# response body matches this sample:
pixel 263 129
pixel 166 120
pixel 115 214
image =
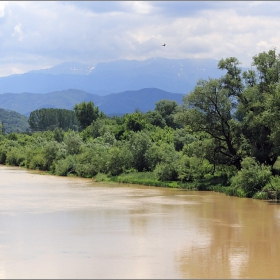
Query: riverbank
pixel 149 179
pixel 216 184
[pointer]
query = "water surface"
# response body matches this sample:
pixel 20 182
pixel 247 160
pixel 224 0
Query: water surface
pixel 58 227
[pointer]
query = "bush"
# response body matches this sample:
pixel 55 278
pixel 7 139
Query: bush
pixel 58 134
pixel 252 177
pixel 15 156
pixel 153 156
pixel 234 192
pixel 38 162
pixel 3 155
pixel 101 177
pixel 66 166
pixel 190 168
pixel 166 172
pixel 95 154
pixel 50 152
pixel 73 143
pixel 139 143
pixel 261 195
pixel 167 168
pixel 120 160
pixel 86 170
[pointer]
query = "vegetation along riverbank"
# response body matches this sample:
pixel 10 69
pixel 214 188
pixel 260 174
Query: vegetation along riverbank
pixel 225 137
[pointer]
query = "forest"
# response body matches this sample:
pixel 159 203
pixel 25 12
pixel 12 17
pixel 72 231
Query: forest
pixel 225 137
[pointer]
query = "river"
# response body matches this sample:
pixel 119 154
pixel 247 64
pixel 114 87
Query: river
pixel 61 227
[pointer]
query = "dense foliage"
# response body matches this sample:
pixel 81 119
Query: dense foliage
pixel 224 137
pixel 12 121
pixel 50 118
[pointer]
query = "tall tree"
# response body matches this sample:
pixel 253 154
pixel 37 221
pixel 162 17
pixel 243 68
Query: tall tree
pixel 259 107
pixel 50 118
pixel 209 108
pixel 86 113
pixel 167 110
pixel 239 111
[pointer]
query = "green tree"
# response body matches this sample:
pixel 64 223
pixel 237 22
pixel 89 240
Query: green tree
pixel 50 118
pixel 58 134
pixel 120 159
pixel 258 108
pixel 167 168
pixel 135 121
pixel 138 144
pixel 209 108
pixel 73 142
pixel 167 109
pixel 86 113
pixel 252 177
pixel 155 118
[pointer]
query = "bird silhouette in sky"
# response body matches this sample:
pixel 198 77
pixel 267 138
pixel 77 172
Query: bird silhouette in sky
pixel 164 45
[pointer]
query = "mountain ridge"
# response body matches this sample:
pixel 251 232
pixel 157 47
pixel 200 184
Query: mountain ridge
pixel 171 75
pixel 116 103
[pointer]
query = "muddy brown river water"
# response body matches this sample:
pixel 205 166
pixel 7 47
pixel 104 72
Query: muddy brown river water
pixel 57 227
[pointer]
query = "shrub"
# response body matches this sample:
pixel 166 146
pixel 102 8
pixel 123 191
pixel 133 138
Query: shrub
pixel 3 154
pixel 252 177
pixel 86 170
pixel 101 177
pixel 15 156
pixel 120 160
pixel 66 166
pixel 261 195
pixel 190 168
pixel 166 172
pixel 50 153
pixel 38 162
pixel 73 143
pixel 153 156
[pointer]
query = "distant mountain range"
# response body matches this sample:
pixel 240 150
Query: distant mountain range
pixel 171 75
pixel 112 104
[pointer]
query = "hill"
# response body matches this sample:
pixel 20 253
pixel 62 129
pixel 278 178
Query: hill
pixel 112 104
pixel 13 121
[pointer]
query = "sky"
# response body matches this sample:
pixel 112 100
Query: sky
pixel 41 34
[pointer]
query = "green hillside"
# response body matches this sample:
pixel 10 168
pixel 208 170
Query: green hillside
pixel 13 121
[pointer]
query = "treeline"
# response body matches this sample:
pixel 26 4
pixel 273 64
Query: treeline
pixel 225 137
pixel 50 118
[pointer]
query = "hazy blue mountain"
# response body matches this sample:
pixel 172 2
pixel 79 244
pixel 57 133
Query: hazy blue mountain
pixel 172 75
pixel 128 101
pixel 69 68
pixel 112 104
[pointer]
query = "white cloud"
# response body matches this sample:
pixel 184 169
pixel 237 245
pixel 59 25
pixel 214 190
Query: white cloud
pixel 3 5
pixel 18 32
pixel 138 7
pixel 38 34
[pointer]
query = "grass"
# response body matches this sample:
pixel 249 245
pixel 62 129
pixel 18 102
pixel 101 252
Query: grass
pixel 149 179
pixel 216 184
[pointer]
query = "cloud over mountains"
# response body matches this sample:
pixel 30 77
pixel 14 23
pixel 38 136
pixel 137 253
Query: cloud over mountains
pixel 36 35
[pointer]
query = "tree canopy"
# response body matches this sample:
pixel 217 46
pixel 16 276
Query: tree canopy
pixel 240 111
pixel 50 118
pixel 86 113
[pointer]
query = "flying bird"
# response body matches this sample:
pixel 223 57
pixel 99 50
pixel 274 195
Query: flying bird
pixel 163 45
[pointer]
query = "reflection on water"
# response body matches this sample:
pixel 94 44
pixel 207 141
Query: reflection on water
pixel 56 227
